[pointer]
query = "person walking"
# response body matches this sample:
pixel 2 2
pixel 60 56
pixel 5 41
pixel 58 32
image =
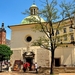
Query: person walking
pixel 10 67
pixel 28 66
pixel 36 67
pixel 24 67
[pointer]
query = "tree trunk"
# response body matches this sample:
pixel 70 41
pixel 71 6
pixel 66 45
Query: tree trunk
pixel 52 62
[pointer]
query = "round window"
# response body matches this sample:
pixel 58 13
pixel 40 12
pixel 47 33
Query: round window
pixel 29 38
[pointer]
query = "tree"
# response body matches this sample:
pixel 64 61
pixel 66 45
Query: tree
pixel 51 15
pixel 68 11
pixel 5 53
pixel 50 28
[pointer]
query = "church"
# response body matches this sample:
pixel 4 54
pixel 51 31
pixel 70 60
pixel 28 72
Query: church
pixel 22 36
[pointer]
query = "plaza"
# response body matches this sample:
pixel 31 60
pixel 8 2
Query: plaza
pixel 25 48
pixel 31 73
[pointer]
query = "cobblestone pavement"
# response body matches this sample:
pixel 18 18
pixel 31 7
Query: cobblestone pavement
pixel 66 73
pixel 31 73
pixel 19 73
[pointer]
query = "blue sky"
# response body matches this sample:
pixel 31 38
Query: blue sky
pixel 10 12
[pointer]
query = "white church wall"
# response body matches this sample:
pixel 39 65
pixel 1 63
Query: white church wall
pixel 34 49
pixel 43 57
pixel 18 38
pixel 15 56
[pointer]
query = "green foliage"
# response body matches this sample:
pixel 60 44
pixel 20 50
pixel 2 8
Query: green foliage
pixel 26 12
pixel 68 8
pixel 5 52
pixel 41 41
pixel 50 11
pixel 37 42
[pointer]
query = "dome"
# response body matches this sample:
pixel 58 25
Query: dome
pixel 33 6
pixel 32 19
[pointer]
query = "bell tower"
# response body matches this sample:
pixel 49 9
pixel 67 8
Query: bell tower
pixel 2 34
pixel 33 9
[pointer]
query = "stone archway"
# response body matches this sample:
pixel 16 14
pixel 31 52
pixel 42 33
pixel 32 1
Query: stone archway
pixel 28 57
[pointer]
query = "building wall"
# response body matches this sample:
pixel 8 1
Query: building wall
pixel 18 36
pixel 69 31
pixel 15 56
pixel 66 54
pixel 43 57
pixel 2 37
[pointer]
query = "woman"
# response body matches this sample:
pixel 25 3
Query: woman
pixel 24 67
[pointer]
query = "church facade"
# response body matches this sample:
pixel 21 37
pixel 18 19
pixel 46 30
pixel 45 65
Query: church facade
pixel 22 36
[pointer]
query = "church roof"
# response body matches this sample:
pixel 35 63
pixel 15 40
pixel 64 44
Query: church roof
pixel 33 5
pixel 2 29
pixel 32 19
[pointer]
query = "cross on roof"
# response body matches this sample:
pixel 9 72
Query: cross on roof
pixel 33 1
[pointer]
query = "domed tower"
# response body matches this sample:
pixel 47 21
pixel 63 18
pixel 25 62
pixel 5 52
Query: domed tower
pixel 33 17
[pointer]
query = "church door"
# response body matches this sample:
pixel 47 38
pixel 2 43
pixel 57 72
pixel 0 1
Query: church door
pixel 57 62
